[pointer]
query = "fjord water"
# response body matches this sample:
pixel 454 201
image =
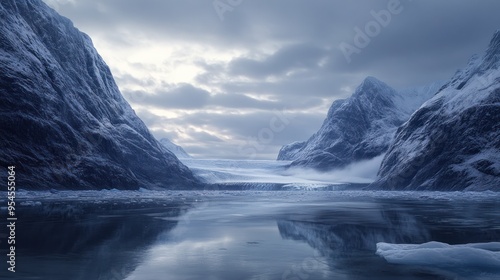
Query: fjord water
pixel 243 235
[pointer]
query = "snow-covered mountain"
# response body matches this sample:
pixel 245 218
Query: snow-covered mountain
pixel 358 128
pixel 177 150
pixel 65 124
pixel 452 142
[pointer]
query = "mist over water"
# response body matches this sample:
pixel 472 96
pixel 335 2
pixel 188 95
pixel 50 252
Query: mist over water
pixel 276 172
pixel 358 172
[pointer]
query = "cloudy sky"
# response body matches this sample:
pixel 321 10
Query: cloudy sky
pixel 241 78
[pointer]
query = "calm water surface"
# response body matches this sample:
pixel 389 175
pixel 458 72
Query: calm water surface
pixel 255 236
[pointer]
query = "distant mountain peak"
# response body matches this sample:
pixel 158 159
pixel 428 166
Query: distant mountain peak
pixel 370 82
pixel 177 150
pixel 358 128
pixel 372 87
pixel 495 41
pixel 493 51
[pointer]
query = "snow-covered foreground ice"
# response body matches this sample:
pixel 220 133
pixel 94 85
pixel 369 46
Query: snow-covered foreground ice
pixel 259 174
pixel 474 260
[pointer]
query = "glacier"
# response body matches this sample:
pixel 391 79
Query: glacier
pixel 276 175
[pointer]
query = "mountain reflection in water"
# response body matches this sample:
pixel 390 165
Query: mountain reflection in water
pixel 235 235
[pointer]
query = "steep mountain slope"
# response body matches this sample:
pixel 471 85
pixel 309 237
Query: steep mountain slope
pixel 358 128
pixel 177 150
pixel 64 123
pixel 453 141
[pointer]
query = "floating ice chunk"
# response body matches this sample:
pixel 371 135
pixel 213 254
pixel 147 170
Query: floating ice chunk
pixel 467 257
pixel 31 203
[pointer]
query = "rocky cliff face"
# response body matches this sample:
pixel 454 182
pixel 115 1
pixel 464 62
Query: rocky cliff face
pixel 358 128
pixel 64 123
pixel 453 141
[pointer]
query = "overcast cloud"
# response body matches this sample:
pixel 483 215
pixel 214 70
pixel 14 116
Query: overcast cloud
pixel 241 78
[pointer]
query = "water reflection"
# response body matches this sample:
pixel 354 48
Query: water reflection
pixel 240 238
pixel 72 240
pixel 223 240
pixel 346 234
